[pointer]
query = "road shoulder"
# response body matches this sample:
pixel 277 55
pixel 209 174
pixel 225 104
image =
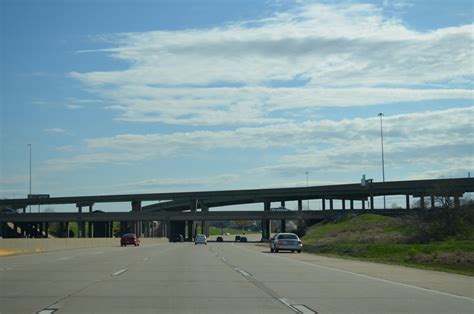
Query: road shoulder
pixel 460 285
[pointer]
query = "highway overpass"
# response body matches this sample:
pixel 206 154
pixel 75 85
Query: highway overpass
pixel 183 206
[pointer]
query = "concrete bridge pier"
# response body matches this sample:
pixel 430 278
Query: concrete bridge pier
pixel 300 212
pixel 204 223
pixel 137 225
pixel 352 204
pixel 266 222
pixel 283 226
pixel 407 198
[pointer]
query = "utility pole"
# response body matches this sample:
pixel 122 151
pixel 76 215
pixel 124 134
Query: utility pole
pixel 383 162
pixel 307 186
pixel 29 145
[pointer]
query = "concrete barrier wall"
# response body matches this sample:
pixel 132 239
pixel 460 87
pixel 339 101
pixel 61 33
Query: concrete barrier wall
pixel 26 246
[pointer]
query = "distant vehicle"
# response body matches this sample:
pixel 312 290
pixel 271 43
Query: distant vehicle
pixel 237 238
pixel 227 234
pixel 200 239
pixel 179 238
pixel 286 241
pixel 243 239
pixel 220 239
pixel 8 211
pixel 129 238
pixel 279 209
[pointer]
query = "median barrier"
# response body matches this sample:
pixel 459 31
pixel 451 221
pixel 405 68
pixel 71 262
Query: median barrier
pixel 28 246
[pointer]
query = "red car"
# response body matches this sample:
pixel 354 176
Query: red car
pixel 129 238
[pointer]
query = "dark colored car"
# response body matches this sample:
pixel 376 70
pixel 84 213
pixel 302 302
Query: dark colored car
pixel 237 238
pixel 220 239
pixel 129 238
pixel 8 211
pixel 179 238
pixel 243 239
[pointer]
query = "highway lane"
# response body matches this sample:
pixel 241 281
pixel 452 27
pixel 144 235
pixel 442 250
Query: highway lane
pixel 217 278
pixel 330 290
pixel 163 278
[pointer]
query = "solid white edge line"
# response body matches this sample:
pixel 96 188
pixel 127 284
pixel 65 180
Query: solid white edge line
pixel 374 278
pixel 119 272
pixel 146 258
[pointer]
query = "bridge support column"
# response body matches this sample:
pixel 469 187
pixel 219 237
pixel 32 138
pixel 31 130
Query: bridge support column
pixel 137 225
pixel 111 229
pixel 283 226
pixel 407 201
pixel 282 203
pixel 2 229
pixel 363 204
pixel 422 202
pixel 300 212
pixel 191 226
pixel 433 205
pixel 204 223
pixel 372 202
pixel 352 204
pixel 331 204
pixel 266 222
pixel 81 229
pixel 343 204
pixel 323 204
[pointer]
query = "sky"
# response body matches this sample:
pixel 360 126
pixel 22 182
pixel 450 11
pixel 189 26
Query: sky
pixel 157 96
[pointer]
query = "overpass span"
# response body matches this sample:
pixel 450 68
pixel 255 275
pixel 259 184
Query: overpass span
pixel 176 205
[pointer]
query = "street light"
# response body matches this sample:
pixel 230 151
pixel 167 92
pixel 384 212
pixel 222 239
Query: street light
pixel 307 188
pixel 29 145
pixel 383 162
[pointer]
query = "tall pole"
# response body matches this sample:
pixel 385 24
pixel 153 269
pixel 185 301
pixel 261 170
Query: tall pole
pixel 29 145
pixel 383 161
pixel 307 188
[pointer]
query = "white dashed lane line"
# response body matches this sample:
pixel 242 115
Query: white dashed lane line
pixel 118 273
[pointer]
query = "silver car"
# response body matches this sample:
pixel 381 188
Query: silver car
pixel 286 241
pixel 200 239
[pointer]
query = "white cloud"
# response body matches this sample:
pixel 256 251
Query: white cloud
pixel 346 54
pixel 431 138
pixel 74 107
pixel 55 130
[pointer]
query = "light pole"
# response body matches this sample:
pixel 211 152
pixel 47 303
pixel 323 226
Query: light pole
pixel 29 145
pixel 307 188
pixel 383 162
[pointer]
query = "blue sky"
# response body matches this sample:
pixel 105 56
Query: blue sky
pixel 154 96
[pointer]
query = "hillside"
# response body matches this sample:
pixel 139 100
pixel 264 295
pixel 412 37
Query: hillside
pixel 391 240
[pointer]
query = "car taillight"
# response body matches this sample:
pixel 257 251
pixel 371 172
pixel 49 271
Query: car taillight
pixel 280 242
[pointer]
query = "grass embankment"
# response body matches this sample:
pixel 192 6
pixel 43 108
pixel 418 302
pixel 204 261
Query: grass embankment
pixel 389 240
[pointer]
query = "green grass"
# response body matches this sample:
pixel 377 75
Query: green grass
pixel 383 239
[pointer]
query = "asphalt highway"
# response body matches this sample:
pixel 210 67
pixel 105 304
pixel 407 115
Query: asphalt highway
pixel 217 278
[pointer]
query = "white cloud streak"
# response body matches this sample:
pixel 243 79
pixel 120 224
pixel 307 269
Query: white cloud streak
pixel 424 138
pixel 341 56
